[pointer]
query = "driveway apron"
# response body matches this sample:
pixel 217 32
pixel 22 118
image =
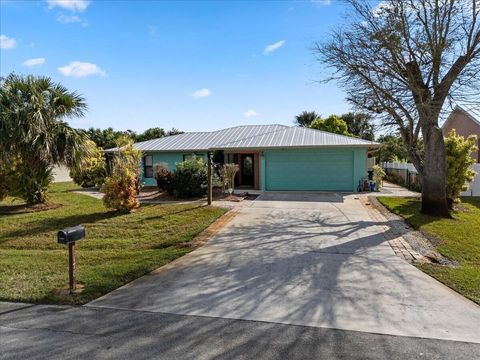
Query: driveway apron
pixel 314 259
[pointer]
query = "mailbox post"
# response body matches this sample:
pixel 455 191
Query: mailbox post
pixel 68 237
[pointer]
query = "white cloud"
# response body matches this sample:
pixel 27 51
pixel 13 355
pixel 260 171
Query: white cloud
pixel 71 5
pixel 202 93
pixel 250 113
pixel 272 47
pixel 34 62
pixel 79 69
pixel 71 19
pixel 6 42
pixel 321 2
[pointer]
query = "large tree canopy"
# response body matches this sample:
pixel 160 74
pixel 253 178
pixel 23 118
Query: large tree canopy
pixel 305 118
pixel 360 124
pixel 33 132
pixel 404 60
pixel 331 124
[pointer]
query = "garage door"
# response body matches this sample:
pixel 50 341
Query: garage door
pixel 328 170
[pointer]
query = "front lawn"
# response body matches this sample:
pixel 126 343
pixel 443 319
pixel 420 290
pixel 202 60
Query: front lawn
pixel 457 239
pixel 118 247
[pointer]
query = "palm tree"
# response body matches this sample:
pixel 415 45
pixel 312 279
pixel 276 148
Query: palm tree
pixel 32 131
pixel 306 118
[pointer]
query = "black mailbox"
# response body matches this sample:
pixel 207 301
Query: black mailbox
pixel 71 234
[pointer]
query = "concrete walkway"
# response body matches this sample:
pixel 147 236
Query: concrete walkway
pixel 305 259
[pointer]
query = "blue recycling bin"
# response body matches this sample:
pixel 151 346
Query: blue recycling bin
pixel 372 186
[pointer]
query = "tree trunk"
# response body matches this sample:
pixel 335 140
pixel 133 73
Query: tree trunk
pixel 434 197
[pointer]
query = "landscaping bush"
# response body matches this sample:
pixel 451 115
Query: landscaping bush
pixel 458 162
pixel 191 178
pixel 121 187
pixel 92 170
pixel 165 178
pixel 378 175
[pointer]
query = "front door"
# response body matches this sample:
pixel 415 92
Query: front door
pixel 247 170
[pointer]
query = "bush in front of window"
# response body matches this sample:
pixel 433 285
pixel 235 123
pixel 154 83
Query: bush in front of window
pixel 165 178
pixel 190 178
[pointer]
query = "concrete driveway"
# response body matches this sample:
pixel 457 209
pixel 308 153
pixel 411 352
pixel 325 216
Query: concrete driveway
pixel 305 259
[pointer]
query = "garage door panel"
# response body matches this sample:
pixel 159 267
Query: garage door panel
pixel 309 170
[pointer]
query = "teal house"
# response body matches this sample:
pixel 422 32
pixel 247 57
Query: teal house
pixel 270 157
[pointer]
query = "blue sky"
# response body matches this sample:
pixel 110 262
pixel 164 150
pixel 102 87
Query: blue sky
pixel 190 65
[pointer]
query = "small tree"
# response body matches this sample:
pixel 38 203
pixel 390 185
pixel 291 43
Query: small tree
pixel 378 175
pixel 92 170
pixel 331 124
pixel 121 186
pixel 228 176
pixel 458 163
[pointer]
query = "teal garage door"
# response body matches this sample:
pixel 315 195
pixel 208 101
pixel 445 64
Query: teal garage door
pixel 307 170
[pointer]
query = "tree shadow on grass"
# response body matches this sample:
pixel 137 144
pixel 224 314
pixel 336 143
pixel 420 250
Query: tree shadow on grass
pixel 54 224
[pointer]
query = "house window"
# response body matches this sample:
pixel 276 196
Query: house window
pixel 148 166
pixel 190 156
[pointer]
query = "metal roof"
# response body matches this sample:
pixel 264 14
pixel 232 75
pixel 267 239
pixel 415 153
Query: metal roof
pixel 197 141
pixel 250 136
pixel 296 137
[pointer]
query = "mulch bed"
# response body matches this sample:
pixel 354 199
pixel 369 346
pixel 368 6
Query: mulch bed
pixel 151 193
pixel 24 209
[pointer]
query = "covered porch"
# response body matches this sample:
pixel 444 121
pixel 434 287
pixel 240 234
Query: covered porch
pixel 249 173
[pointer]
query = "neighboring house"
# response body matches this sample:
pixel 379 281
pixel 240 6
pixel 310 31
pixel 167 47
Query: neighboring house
pixel 61 173
pixel 466 121
pixel 270 157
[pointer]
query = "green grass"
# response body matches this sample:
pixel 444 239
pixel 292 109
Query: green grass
pixel 457 239
pixel 118 247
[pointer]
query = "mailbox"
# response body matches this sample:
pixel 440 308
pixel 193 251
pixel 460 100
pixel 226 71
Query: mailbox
pixel 71 234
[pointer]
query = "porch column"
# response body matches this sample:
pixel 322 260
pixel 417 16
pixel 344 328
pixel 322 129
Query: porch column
pixel 210 182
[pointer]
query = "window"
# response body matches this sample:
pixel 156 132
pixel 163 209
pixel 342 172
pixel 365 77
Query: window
pixel 148 166
pixel 190 156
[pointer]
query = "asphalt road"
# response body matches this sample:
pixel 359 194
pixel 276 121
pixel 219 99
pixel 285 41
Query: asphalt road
pixel 69 332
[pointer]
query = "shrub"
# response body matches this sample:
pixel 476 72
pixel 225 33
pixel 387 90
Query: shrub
pixel 165 179
pixel 458 162
pixel 378 175
pixel 191 178
pixel 121 186
pixel 92 170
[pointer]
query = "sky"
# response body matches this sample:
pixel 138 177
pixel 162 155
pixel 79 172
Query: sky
pixel 193 66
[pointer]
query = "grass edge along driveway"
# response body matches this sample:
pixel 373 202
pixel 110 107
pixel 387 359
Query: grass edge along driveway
pixel 118 247
pixel 457 239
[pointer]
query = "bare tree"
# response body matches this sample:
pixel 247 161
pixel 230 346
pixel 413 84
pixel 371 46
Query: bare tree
pixel 405 60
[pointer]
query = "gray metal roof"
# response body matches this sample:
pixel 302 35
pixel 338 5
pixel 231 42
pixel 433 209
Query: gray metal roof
pixel 202 141
pixel 250 136
pixel 296 137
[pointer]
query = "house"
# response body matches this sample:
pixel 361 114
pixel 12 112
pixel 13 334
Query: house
pixel 270 157
pixel 466 121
